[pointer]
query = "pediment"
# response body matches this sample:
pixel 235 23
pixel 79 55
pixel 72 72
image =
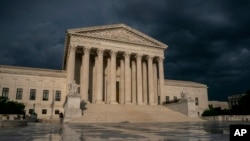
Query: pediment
pixel 118 32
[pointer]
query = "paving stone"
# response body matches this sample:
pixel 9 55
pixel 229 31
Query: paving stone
pixel 174 131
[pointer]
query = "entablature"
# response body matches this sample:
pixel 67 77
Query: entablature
pixel 116 46
pixel 32 71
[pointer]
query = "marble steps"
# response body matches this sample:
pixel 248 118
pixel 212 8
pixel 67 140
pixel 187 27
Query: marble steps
pixel 113 113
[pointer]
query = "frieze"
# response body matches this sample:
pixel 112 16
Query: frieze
pixel 117 46
pixel 76 38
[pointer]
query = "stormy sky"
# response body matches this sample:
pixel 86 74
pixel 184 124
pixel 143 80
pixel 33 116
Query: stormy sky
pixel 209 41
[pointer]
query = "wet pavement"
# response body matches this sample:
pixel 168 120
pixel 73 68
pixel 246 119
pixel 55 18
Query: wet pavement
pixel 187 131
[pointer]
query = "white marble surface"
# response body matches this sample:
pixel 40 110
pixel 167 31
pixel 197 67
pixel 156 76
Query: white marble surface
pixel 72 108
pixel 187 131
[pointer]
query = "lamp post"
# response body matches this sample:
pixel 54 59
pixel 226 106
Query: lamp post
pixel 52 104
pixel 34 108
pixel 33 114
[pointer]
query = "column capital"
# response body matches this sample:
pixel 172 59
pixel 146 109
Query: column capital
pixel 138 55
pixel 100 51
pixel 160 59
pixel 126 54
pixel 113 52
pixel 86 49
pixel 149 57
pixel 72 46
pixel 72 49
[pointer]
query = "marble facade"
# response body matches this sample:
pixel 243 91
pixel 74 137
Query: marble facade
pixel 112 64
pixel 106 60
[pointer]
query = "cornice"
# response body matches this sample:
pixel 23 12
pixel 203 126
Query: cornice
pixel 116 41
pixel 105 44
pixel 184 83
pixel 32 71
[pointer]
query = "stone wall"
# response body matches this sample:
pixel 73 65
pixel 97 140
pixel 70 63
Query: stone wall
pixel 228 118
pixel 185 106
pixel 190 90
pixel 221 104
pixel 39 79
pixel 52 80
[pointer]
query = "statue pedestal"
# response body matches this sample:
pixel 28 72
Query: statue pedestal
pixel 72 107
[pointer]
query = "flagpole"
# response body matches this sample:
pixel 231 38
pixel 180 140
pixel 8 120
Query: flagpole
pixel 52 104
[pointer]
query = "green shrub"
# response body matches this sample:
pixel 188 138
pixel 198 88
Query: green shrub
pixel 10 107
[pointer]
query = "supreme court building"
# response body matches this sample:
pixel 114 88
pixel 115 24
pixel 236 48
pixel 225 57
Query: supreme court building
pixel 112 64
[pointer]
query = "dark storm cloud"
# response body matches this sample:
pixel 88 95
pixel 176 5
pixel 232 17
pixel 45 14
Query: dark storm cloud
pixel 33 32
pixel 208 40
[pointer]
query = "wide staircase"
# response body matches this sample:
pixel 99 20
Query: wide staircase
pixel 110 113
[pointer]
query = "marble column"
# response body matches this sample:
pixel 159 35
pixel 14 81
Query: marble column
pixel 150 80
pixel 108 81
pixel 113 77
pixel 99 82
pixel 94 82
pixel 127 78
pixel 133 82
pixel 145 82
pixel 85 75
pixel 161 78
pixel 155 82
pixel 122 80
pixel 71 64
pixel 139 78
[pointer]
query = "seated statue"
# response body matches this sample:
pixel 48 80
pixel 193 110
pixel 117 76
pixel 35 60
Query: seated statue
pixel 73 88
pixel 183 95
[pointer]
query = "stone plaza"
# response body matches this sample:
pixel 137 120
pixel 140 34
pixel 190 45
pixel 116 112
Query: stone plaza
pixel 184 131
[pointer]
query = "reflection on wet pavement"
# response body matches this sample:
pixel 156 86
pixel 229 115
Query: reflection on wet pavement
pixel 188 131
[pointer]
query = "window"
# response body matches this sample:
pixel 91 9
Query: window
pixel 196 101
pixel 19 93
pixel 57 112
pixel 167 98
pixel 58 96
pixel 44 111
pixel 5 92
pixel 32 94
pixel 45 95
pixel 175 98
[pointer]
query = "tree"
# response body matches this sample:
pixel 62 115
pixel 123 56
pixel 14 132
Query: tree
pixel 11 107
pixel 215 111
pixel 243 105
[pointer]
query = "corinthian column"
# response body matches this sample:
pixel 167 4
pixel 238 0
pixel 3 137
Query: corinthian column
pixel 144 82
pixel 133 81
pixel 127 78
pixel 71 64
pixel 122 82
pixel 85 75
pixel 94 81
pixel 139 79
pixel 113 77
pixel 155 82
pixel 150 80
pixel 161 78
pixel 99 85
